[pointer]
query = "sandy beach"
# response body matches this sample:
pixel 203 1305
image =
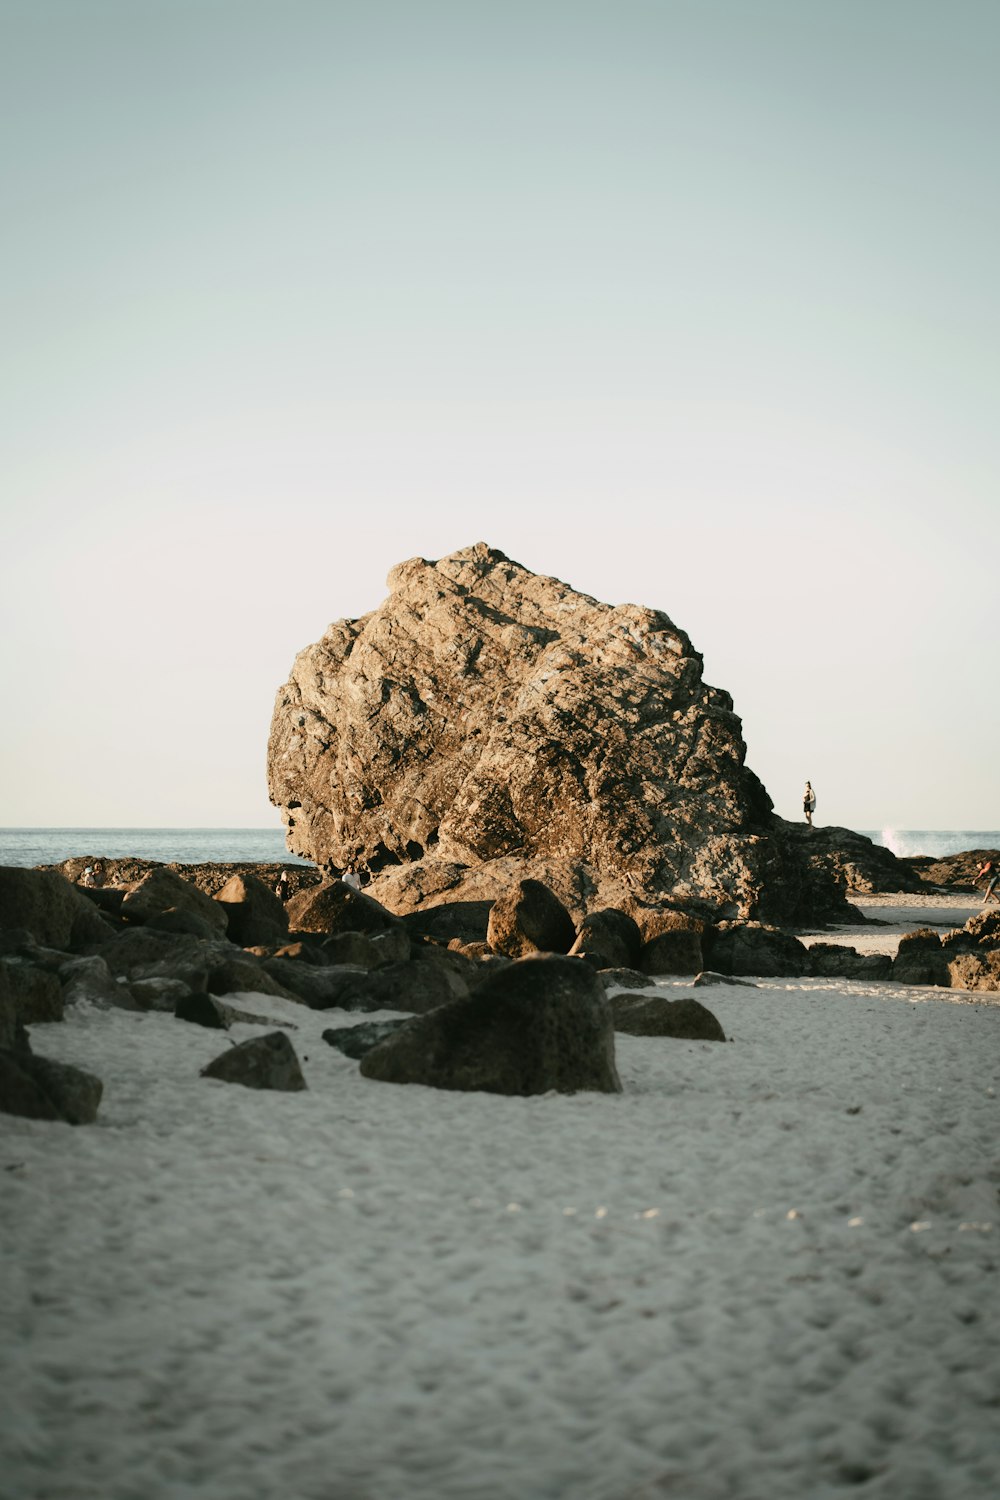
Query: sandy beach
pixel 766 1269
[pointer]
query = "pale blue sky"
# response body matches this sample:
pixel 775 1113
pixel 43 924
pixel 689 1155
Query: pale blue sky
pixel 693 304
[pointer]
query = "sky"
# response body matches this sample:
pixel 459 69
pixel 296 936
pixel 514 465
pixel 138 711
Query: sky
pixel 690 303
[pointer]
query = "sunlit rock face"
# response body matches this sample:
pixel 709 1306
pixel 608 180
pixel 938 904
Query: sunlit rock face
pixel 485 724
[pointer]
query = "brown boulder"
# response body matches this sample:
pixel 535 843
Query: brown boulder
pixel 336 907
pixel 529 919
pixel 254 913
pixel 610 936
pixel 161 891
pixel 673 952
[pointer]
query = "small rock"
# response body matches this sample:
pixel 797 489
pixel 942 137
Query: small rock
pixel 263 1062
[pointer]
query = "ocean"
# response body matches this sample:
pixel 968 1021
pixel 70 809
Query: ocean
pixel 49 846
pixel 188 846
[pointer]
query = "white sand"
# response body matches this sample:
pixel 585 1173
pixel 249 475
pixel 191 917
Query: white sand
pixel 895 915
pixel 768 1269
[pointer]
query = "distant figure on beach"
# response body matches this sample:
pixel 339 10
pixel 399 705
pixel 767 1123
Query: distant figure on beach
pixel 88 876
pixel 809 803
pixel 283 886
pixel 352 878
pixel 988 868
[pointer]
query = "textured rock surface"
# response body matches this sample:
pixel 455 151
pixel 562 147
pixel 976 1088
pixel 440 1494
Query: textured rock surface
pixel 264 1062
pixel 529 918
pixel 41 1089
pixel 45 904
pixel 531 1026
pixel 488 720
pixel 655 1015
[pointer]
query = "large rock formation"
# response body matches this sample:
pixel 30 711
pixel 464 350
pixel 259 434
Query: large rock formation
pixel 485 725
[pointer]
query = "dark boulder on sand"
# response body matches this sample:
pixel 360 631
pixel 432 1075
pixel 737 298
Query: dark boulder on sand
pixel 45 904
pixel 41 1089
pixel 264 1062
pixel 537 1025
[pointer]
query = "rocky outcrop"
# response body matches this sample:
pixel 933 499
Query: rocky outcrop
pixel 486 725
pixel 844 860
pixel 533 1026
pixel 956 872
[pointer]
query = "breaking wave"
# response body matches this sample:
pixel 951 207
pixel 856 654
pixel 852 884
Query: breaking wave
pixel 935 842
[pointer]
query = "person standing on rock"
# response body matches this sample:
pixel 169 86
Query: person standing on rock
pixel 809 803
pixel 352 878
pixel 283 886
pixel 991 869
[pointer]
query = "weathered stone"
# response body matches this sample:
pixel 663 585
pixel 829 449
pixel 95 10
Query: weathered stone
pixel 677 951
pixel 459 921
pixel 629 979
pixel 653 922
pixel 161 890
pixel 611 936
pixel 539 1025
pixel 836 960
pixel 463 972
pixel 484 712
pixel 356 949
pixel 849 861
pixel 158 994
pixel 253 912
pixel 413 986
pixel 321 987
pixel 45 904
pixel 975 971
pixel 655 1015
pixel 240 972
pixel 335 907
pixel 41 1089
pixel 263 1062
pixel 956 872
pixel 90 980
pixel 920 960
pixel 529 918
pixel 355 1041
pixel 203 1010
pixel 752 948
pixel 183 924
pixel 33 994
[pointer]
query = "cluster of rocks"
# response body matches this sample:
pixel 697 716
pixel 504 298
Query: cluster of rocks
pixel 509 995
pixel 967 958
pixel 486 725
pixel 953 872
pixel 513 1012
